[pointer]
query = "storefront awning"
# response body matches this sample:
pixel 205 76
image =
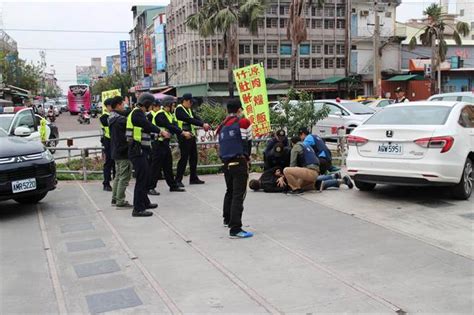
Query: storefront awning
pixel 404 77
pixel 332 80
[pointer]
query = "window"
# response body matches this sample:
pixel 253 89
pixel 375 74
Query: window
pixel 272 63
pixel 410 115
pixel 316 48
pixel 272 49
pixel 304 63
pixel 258 49
pixel 333 109
pixel 341 24
pixel 244 49
pixel 353 47
pixel 24 118
pixel 285 63
pixel 313 11
pixel 308 23
pixel 466 119
pixel 328 63
pixel 340 63
pixel 259 60
pixel 316 62
pixel 283 23
pixel 222 64
pixel 340 49
pixel 272 23
pixel 284 9
pixel 329 12
pixel 328 49
pixel 214 64
pixel 316 23
pixel 285 49
pixel 273 9
pixel 461 12
pixel 329 24
pixel 243 62
pixel 304 49
pixel 260 23
pixel 340 11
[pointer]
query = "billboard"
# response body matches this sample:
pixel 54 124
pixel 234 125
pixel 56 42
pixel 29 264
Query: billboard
pixel 123 56
pixel 110 65
pixel 147 63
pixel 160 46
pixel 83 74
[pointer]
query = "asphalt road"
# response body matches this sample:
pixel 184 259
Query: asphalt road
pixel 338 251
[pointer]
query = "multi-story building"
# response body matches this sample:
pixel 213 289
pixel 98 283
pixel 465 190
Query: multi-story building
pixel 362 30
pixel 142 28
pixel 196 64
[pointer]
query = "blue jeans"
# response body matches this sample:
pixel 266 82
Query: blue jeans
pixel 329 181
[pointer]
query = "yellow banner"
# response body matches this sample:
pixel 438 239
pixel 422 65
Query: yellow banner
pixel 110 93
pixel 252 89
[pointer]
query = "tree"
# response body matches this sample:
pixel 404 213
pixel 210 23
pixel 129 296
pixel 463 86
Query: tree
pixel 433 32
pixel 121 81
pixel 18 72
pixel 223 17
pixel 296 30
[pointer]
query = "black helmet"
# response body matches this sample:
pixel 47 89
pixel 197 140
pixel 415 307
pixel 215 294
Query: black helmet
pixel 168 101
pixel 146 99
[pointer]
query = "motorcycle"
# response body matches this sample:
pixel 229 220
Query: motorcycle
pixel 84 118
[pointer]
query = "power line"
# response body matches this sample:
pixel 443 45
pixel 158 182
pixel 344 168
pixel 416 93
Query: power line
pixel 67 49
pixel 63 31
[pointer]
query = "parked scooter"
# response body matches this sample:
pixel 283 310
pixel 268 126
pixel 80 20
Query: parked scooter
pixel 84 118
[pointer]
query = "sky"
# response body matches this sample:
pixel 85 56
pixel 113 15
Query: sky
pixel 65 50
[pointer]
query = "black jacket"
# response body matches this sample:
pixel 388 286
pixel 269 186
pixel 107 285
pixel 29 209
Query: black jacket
pixel 139 119
pixel 162 121
pixel 117 123
pixel 183 116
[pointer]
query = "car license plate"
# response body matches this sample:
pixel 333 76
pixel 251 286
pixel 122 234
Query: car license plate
pixel 23 185
pixel 390 148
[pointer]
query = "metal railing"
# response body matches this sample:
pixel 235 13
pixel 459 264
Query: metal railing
pixel 85 152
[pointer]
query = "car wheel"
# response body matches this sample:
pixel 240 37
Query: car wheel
pixel 32 199
pixel 363 186
pixel 463 190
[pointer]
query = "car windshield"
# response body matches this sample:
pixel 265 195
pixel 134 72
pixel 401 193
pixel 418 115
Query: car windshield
pixel 5 121
pixel 358 108
pixel 411 115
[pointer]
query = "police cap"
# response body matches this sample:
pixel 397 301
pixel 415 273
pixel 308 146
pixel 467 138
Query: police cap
pixel 146 99
pixel 168 101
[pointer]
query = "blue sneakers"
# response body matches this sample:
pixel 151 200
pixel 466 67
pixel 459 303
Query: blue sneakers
pixel 241 234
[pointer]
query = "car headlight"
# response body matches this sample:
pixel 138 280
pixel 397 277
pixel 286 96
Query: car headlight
pixel 47 155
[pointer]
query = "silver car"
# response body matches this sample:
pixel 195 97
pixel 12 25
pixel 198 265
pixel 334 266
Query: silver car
pixel 467 97
pixel 343 116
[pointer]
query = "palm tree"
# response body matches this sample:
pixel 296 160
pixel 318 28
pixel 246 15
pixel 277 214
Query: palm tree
pixel 296 30
pixel 223 17
pixel 433 32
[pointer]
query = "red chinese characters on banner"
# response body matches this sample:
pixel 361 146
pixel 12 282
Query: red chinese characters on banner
pixel 147 62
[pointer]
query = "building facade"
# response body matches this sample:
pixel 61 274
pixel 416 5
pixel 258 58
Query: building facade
pixel 194 60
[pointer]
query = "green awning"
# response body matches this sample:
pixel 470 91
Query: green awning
pixel 332 80
pixel 273 81
pixel 404 77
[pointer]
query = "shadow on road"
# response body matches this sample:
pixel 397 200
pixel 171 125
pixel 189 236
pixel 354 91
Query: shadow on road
pixel 11 210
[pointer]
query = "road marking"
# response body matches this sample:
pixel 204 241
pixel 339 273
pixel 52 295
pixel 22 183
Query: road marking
pixel 318 266
pixel 60 301
pixel 148 276
pixel 254 295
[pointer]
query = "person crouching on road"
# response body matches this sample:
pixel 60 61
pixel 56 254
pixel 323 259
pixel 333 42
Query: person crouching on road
pixel 165 119
pixel 105 140
pixel 139 131
pixel 187 121
pixel 320 148
pixel 119 149
pixel 235 142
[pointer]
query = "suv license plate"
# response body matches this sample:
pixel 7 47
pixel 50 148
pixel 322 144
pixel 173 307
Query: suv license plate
pixel 23 185
pixel 390 148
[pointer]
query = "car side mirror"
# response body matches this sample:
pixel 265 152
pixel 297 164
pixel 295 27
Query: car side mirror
pixel 22 131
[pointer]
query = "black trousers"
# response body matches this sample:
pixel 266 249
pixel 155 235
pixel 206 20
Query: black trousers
pixel 109 164
pixel 236 174
pixel 188 149
pixel 154 162
pixel 142 172
pixel 162 160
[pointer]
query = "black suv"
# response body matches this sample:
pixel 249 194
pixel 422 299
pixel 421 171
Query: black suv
pixel 27 170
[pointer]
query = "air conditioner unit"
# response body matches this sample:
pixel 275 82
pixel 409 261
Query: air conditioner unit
pixel 364 13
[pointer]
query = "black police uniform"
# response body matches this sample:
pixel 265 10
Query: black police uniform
pixel 109 165
pixel 137 152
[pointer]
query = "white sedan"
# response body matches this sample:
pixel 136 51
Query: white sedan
pixel 415 144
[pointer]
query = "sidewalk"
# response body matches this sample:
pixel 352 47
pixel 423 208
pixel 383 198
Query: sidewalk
pixel 304 257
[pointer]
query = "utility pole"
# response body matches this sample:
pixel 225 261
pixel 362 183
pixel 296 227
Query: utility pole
pixel 377 78
pixel 42 54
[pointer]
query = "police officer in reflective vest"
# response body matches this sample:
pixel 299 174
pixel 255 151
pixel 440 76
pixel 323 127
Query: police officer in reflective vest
pixel 187 120
pixel 166 120
pixel 234 150
pixel 109 165
pixel 153 157
pixel 139 131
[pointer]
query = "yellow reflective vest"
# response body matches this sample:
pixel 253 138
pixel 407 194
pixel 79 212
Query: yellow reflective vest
pixel 105 129
pixel 134 133
pixel 42 129
pixel 181 123
pixel 170 118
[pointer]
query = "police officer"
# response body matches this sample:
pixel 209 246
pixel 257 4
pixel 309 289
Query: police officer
pixel 234 150
pixel 153 156
pixel 165 119
pixel 187 120
pixel 109 165
pixel 139 131
pixel 400 96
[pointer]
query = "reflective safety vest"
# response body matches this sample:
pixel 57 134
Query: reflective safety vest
pixel 42 130
pixel 170 118
pixel 105 129
pixel 135 133
pixel 181 124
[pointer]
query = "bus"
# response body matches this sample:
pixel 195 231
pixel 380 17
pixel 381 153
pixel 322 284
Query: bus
pixel 78 95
